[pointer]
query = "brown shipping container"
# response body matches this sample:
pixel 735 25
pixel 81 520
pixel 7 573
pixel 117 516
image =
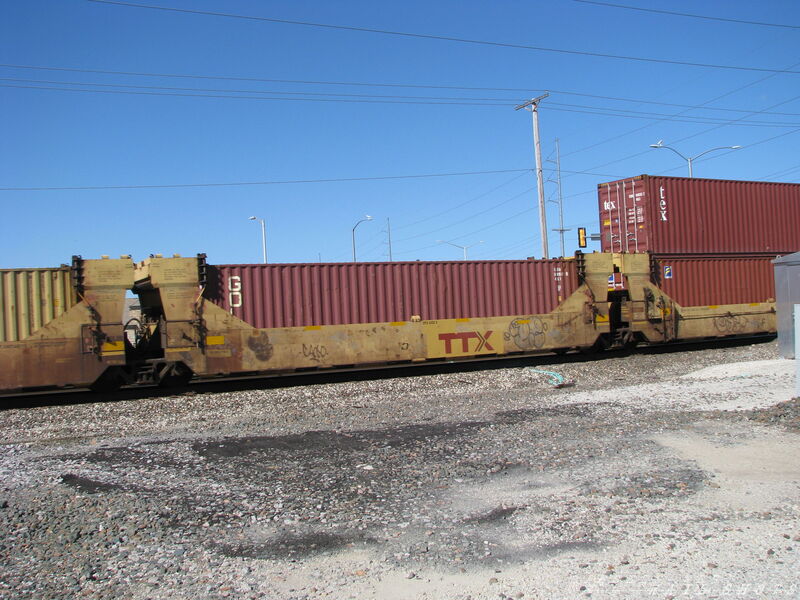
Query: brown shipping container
pixel 713 280
pixel 651 213
pixel 293 295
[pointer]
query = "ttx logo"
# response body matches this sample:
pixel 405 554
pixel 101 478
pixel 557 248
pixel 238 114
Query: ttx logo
pixel 465 337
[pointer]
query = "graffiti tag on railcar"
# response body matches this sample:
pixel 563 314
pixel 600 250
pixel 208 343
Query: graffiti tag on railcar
pixel 730 323
pixel 315 352
pixel 527 334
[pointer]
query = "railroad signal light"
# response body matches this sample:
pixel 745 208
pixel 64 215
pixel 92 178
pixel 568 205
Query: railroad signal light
pixel 582 237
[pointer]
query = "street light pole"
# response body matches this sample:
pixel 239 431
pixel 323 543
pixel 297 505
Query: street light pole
pixel 366 218
pixel 464 248
pixel 263 237
pixel 690 159
pixel 533 106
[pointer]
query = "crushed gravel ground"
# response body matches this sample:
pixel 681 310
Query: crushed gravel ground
pixel 655 475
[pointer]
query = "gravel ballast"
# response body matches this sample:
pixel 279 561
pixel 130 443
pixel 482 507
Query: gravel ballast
pixel 655 475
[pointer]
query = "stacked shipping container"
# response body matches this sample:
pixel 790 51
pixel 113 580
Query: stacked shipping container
pixel 294 295
pixel 692 216
pixel 712 240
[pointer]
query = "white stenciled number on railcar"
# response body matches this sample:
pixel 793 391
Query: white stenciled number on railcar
pixel 234 291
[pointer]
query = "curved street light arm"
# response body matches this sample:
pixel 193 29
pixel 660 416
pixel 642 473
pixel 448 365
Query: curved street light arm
pixel 671 148
pixel 717 148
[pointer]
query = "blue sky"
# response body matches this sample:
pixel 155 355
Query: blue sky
pixel 376 109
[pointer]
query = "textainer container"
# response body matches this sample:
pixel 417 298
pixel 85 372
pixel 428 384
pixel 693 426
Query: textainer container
pixel 651 213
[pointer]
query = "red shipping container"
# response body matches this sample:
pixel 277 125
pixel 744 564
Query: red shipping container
pixel 293 295
pixel 650 213
pixel 712 280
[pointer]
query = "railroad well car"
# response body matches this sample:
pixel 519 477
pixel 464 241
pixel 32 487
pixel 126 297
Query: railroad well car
pixel 310 317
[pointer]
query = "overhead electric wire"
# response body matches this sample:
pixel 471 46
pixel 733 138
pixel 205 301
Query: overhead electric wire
pixel 690 15
pixel 344 95
pixel 452 208
pixel 728 93
pixel 236 91
pixel 349 83
pixel 424 101
pixel 471 233
pixel 271 98
pixel 435 37
pixel 735 121
pixel 472 216
pixel 714 99
pixel 244 183
pixel 781 173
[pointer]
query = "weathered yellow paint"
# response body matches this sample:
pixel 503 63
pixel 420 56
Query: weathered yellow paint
pixel 215 340
pixel 220 352
pixel 397 323
pixel 312 327
pixel 450 338
pixel 62 346
pixel 112 348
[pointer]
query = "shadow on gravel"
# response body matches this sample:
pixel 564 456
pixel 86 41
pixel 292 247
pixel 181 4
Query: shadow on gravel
pixel 292 546
pixel 315 441
pixel 122 455
pixel 90 486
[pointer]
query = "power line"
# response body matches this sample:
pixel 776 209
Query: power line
pixel 714 99
pixel 381 96
pixel 243 183
pixel 728 93
pixel 271 98
pixel 781 173
pixel 436 37
pixel 693 16
pixel 235 91
pixel 349 83
pixel 378 99
pixel 451 209
pixel 472 216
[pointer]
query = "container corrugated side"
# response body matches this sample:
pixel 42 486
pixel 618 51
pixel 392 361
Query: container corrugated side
pixel 659 214
pixel 293 295
pixel 713 280
pixel 30 298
